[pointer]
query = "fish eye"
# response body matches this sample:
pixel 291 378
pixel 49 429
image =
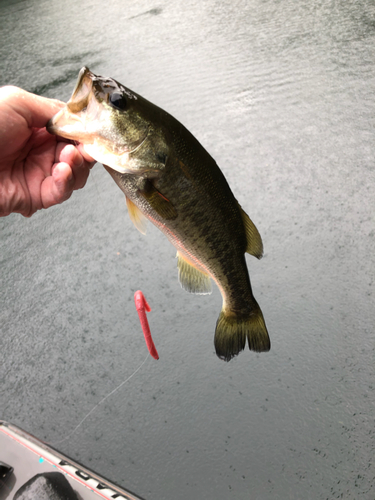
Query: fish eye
pixel 118 101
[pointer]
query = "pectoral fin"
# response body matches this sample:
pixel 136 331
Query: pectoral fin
pixel 192 279
pixel 158 202
pixel 254 241
pixel 136 216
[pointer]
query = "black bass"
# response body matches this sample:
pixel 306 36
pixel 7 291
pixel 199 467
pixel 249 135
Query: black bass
pixel 170 179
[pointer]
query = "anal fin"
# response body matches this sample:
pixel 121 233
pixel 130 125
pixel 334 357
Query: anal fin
pixel 192 279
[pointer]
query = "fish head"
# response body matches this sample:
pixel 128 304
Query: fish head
pixel 113 124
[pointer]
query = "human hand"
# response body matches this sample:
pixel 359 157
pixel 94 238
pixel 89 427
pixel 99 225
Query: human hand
pixel 37 169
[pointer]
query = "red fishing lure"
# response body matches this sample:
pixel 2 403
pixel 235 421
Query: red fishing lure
pixel 142 306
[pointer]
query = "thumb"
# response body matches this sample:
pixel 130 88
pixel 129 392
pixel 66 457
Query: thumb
pixel 57 187
pixel 36 110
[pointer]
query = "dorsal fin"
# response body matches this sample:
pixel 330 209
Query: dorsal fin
pixel 192 279
pixel 254 241
pixel 136 216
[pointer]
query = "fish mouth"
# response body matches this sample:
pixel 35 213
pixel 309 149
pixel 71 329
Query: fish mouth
pixel 80 120
pixel 62 123
pixel 85 76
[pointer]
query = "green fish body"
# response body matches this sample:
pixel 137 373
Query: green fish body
pixel 171 180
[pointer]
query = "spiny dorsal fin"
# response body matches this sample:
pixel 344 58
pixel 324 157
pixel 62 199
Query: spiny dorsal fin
pixel 136 216
pixel 254 241
pixel 191 279
pixel 158 202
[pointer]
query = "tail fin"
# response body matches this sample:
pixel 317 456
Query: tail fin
pixel 233 330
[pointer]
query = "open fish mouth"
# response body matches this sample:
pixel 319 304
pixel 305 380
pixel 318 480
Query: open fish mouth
pixel 88 109
pixel 66 122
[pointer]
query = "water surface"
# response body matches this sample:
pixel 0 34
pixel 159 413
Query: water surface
pixel 282 95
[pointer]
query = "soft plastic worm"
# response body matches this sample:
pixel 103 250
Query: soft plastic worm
pixel 142 306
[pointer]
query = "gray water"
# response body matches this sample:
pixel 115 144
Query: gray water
pixel 282 95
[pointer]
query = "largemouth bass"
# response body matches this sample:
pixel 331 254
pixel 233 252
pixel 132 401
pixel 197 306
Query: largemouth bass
pixel 169 178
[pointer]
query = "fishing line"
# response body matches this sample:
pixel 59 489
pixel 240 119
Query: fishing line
pixel 100 402
pixel 94 182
